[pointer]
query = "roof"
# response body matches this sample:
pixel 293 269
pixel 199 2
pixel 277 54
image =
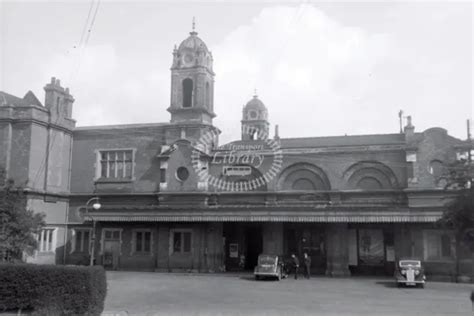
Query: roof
pixel 255 103
pixel 27 100
pixel 119 126
pixel 193 42
pixel 314 142
pixel 333 141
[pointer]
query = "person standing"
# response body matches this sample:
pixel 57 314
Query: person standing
pixel 307 265
pixel 296 265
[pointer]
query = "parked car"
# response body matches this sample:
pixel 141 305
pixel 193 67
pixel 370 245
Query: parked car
pixel 269 266
pixel 410 272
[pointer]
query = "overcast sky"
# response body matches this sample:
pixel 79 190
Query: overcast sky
pixel 321 69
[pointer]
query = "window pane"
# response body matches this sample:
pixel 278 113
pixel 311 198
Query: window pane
pixel 128 169
pixel 103 169
pixel 187 242
pixel 432 243
pixel 139 241
pixel 116 234
pixel 445 246
pixel 120 167
pixel 177 242
pixel 128 156
pixel 86 241
pixel 162 175
pixel 50 240
pixel 147 247
pixel 112 169
pixel 78 241
pixel 108 234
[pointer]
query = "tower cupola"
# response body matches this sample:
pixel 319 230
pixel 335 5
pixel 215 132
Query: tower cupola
pixel 255 123
pixel 192 82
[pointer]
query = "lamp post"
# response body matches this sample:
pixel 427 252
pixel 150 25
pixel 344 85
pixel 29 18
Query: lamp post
pixel 96 206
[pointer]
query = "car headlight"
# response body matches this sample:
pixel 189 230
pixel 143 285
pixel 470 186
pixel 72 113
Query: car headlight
pixel 417 272
pixel 403 272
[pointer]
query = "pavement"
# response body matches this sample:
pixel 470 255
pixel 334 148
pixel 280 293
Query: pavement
pixel 148 293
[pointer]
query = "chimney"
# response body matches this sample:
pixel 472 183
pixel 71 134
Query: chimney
pixel 58 100
pixel 409 131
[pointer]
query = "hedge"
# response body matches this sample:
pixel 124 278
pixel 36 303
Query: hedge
pixel 51 289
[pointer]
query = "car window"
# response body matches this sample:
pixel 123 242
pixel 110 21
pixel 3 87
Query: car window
pixel 406 263
pixel 266 260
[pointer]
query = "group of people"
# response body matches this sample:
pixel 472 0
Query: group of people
pixel 296 265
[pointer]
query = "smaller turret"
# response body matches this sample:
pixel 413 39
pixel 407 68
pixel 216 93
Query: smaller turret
pixel 58 100
pixel 255 123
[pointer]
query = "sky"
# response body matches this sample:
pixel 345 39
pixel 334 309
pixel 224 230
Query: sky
pixel 321 68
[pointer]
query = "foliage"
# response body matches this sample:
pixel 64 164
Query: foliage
pixel 17 224
pixel 52 290
pixel 459 214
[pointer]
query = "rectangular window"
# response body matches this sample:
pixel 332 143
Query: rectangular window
pixel 82 240
pixel 437 245
pixel 181 241
pixel 162 175
pixel 45 240
pixel 116 164
pixel 141 241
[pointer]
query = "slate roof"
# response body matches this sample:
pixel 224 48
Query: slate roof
pixel 356 140
pixel 27 100
pixel 328 141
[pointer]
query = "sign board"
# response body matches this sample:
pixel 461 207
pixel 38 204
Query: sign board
pixel 233 250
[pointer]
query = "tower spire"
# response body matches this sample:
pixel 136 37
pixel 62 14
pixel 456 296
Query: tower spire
pixel 193 32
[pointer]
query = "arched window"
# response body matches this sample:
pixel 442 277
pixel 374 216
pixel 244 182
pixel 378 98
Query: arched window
pixel 436 168
pixel 187 93
pixel 208 103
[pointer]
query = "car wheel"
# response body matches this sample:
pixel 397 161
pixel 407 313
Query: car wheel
pixel 421 285
pixel 257 278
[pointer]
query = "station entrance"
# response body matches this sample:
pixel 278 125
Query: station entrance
pixel 243 243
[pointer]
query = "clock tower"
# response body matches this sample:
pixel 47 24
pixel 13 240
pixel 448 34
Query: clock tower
pixel 192 82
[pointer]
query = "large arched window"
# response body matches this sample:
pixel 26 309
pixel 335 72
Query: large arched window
pixel 208 101
pixel 187 93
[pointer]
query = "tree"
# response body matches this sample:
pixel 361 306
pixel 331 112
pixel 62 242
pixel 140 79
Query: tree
pixel 18 225
pixel 459 213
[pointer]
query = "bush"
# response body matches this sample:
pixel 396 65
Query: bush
pixel 50 289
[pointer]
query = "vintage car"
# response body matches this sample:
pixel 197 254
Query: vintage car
pixel 269 266
pixel 410 272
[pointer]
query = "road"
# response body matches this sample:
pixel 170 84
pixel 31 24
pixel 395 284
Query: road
pixel 147 293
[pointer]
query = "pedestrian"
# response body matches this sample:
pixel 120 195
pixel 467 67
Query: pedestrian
pixel 307 265
pixel 296 265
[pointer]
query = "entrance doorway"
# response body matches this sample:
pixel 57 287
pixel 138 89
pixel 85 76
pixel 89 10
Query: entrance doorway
pixel 371 250
pixel 112 239
pixel 243 244
pixel 306 238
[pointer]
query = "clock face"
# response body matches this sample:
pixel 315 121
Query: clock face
pixel 188 59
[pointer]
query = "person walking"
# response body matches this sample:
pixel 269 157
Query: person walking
pixel 307 265
pixel 296 265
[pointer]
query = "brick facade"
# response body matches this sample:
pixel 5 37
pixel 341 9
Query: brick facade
pixel 325 195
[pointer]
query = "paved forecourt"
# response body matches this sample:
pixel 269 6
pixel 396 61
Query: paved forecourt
pixel 147 293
